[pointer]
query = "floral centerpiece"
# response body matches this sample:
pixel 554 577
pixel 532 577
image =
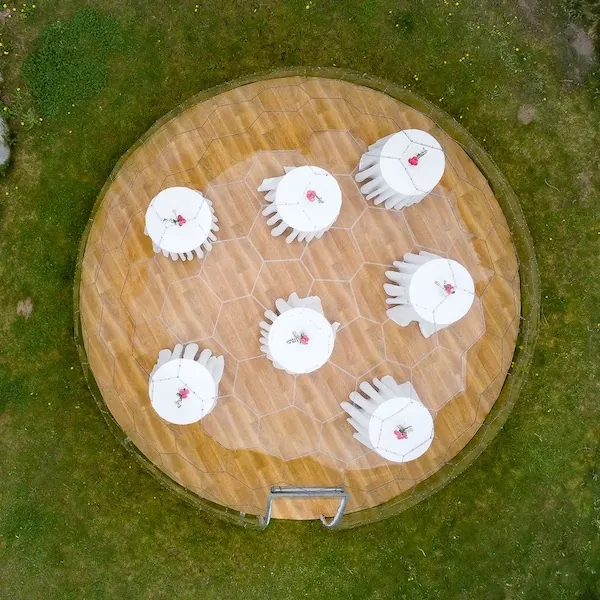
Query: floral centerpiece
pixel 401 432
pixel 182 394
pixel 414 160
pixel 447 288
pixel 299 338
pixel 177 219
pixel 311 196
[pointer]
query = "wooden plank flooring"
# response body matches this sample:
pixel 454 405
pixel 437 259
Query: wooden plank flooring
pixel 269 427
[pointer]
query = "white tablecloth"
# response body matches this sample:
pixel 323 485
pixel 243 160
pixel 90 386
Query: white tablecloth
pixel 308 199
pixel 171 380
pixel 162 219
pixel 390 418
pixel 399 174
pixel 286 343
pixel 441 291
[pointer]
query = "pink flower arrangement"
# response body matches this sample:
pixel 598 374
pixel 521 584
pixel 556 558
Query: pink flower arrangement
pixel 311 196
pixel 177 219
pixel 182 394
pixel 414 160
pixel 449 288
pixel 299 338
pixel 401 432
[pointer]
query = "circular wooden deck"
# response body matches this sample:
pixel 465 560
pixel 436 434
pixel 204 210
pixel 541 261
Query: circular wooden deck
pixel 269 427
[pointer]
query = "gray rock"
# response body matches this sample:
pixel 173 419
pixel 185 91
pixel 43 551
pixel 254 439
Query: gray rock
pixel 4 146
pixel 526 114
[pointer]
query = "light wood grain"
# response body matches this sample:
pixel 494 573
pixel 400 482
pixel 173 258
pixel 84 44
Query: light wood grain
pixel 270 428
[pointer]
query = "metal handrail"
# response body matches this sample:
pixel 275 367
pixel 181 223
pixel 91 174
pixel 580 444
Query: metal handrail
pixel 278 491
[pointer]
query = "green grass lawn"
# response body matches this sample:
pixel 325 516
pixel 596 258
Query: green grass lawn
pixel 79 518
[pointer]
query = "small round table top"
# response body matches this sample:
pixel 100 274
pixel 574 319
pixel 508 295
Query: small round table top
pixel 400 174
pixel 308 199
pixel 301 340
pixel 441 291
pixel 401 429
pixel 168 385
pixel 165 225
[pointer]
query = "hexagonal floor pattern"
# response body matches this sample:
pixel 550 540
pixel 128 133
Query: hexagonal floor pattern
pixel 269 427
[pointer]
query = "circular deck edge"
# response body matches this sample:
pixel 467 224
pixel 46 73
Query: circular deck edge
pixel 530 301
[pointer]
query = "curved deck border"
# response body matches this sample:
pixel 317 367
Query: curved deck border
pixel 530 300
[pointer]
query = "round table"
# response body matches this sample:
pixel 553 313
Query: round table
pixel 404 177
pixel 168 385
pixel 441 291
pixel 165 225
pixel 394 416
pixel 295 353
pixel 308 199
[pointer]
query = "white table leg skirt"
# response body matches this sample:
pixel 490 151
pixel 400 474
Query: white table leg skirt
pixel 377 189
pixel 403 313
pixel 281 305
pixel 206 246
pixel 279 225
pixel 363 405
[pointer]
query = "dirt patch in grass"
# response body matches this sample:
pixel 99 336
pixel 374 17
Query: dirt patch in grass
pixel 526 114
pixel 25 308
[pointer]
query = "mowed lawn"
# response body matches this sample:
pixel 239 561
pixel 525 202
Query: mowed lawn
pixel 79 518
